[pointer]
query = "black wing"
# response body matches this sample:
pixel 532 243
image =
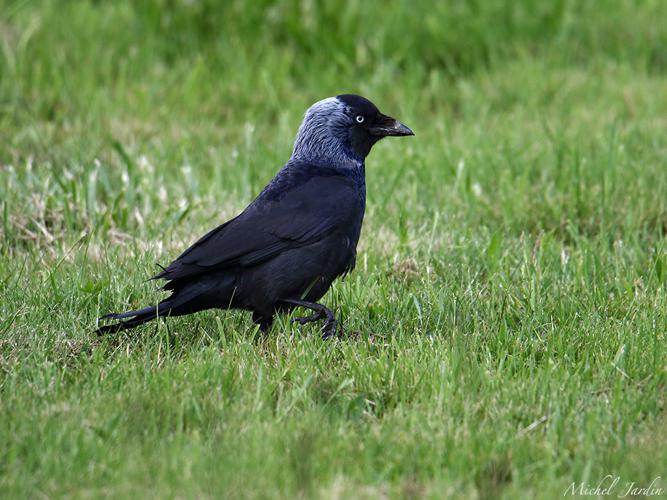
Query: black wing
pixel 305 214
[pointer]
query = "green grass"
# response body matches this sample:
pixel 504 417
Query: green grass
pixel 508 306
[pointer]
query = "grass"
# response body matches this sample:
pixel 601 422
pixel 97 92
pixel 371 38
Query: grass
pixel 509 297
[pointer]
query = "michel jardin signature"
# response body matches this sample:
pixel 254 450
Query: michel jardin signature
pixel 615 486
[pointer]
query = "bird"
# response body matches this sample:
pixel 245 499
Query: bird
pixel 301 232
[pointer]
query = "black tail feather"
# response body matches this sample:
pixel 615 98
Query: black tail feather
pixel 137 318
pixel 185 301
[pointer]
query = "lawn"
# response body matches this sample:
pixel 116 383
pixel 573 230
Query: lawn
pixel 506 321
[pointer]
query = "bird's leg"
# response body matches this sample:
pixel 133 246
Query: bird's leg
pixel 262 320
pixel 321 312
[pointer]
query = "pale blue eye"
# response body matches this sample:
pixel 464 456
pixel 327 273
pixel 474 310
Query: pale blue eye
pixel 360 119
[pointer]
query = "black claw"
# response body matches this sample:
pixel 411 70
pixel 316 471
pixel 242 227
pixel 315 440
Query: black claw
pixel 330 329
pixel 302 320
pixel 330 324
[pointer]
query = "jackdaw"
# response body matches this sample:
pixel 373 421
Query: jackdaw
pixel 286 248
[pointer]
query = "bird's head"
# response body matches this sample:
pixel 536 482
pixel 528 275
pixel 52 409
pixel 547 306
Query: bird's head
pixel 343 129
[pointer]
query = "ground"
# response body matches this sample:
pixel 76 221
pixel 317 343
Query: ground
pixel 506 318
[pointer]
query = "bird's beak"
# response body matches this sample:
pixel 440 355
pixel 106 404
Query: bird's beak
pixel 386 125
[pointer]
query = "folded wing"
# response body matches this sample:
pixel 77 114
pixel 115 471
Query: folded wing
pixel 303 214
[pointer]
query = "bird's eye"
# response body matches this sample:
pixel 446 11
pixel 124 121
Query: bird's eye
pixel 360 119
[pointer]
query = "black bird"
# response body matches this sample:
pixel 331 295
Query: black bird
pixel 286 248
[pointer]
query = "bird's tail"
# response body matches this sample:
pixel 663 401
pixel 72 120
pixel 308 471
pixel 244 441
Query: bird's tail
pixel 135 318
pixel 189 298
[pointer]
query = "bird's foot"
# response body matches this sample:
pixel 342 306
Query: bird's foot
pixel 302 320
pixel 331 329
